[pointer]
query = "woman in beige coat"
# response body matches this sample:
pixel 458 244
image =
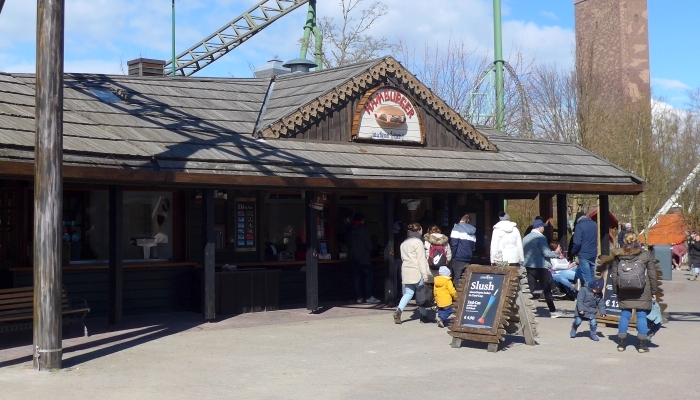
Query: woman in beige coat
pixel 414 270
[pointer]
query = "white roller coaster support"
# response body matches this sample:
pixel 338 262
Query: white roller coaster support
pixel 674 198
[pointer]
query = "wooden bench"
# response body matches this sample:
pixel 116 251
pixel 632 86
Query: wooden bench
pixel 17 309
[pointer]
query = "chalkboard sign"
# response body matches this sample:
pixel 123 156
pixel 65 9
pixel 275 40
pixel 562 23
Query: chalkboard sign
pixel 246 224
pixel 482 296
pixel 609 297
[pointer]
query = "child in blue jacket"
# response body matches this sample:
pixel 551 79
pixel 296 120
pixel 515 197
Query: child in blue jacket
pixel 588 301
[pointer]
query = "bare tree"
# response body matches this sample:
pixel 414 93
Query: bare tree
pixel 348 41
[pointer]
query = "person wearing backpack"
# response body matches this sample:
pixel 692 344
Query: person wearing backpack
pixel 694 255
pixel 437 251
pixel 414 270
pixel 635 283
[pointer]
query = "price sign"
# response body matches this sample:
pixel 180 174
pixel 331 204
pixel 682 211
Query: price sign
pixel 246 223
pixel 609 297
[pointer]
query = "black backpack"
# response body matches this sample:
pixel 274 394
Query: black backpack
pixel 436 256
pixel 631 275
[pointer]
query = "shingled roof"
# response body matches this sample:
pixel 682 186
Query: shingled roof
pixel 200 130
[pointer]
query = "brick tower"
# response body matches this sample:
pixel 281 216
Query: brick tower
pixel 612 46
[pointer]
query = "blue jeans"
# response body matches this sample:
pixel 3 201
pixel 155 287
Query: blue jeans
pixel 625 317
pixel 593 323
pixel 561 278
pixel 444 313
pixel 367 271
pixel 585 270
pixel 409 291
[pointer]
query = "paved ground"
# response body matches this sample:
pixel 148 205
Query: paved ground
pixel 356 352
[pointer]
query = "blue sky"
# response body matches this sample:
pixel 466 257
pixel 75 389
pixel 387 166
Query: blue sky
pixel 101 35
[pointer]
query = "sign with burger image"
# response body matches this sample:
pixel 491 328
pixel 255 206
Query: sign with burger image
pixel 387 114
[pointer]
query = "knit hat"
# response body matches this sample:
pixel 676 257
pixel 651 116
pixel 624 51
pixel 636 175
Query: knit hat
pixel 628 225
pixel 579 215
pixel 444 271
pixel 597 284
pixel 504 217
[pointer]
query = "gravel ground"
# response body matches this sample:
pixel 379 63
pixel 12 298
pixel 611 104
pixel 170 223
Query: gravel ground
pixel 356 352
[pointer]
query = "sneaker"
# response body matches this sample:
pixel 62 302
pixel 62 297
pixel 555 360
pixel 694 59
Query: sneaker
pixel 359 300
pixel 441 324
pixel 556 313
pixel 372 299
pixel 397 316
pixel 557 294
pixel 594 336
pixel 424 319
pixel 572 334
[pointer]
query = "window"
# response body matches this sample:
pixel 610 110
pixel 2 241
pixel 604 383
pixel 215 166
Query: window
pixel 148 225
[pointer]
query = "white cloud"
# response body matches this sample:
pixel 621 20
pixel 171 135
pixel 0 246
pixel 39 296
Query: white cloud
pixel 669 84
pixel 98 32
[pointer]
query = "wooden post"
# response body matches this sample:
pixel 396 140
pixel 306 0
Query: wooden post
pixel 208 254
pixel 311 255
pixel 604 217
pixel 562 222
pixel 116 245
pixel 389 267
pixel 48 185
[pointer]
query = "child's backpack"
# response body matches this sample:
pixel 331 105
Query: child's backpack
pixel 437 257
pixel 631 275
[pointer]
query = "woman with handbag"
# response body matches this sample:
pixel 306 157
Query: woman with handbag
pixel 414 270
pixel 633 267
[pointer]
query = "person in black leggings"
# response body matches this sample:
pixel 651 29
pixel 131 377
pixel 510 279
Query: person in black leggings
pixel 537 255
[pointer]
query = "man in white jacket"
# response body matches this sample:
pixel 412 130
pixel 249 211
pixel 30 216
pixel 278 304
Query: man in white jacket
pixel 506 243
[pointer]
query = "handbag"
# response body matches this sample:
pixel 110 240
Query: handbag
pixel 424 296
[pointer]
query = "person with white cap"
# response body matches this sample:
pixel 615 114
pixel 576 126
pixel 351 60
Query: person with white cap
pixel 506 243
pixel 621 235
pixel 444 293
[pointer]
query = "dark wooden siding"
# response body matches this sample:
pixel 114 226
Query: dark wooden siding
pixel 336 126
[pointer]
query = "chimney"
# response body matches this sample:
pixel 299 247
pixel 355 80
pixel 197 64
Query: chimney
pixel 299 65
pixel 145 67
pixel 271 68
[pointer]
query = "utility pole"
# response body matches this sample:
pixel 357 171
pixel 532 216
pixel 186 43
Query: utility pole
pixel 498 61
pixel 309 28
pixel 48 185
pixel 173 45
pixel 2 3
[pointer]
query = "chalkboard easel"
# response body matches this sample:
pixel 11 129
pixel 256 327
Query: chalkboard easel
pixel 489 297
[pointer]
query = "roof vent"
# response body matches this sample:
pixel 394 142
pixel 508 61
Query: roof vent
pixel 145 67
pixel 299 65
pixel 271 68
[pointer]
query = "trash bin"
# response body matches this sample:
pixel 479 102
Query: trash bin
pixel 662 252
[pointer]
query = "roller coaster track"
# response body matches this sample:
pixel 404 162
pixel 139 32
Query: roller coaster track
pixel 231 35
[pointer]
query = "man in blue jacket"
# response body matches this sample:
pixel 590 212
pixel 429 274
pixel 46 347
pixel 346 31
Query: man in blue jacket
pixel 537 254
pixel 585 246
pixel 462 243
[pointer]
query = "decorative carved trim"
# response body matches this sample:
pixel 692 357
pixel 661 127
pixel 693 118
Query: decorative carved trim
pixel 363 82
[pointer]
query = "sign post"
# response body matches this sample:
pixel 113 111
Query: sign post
pixel 489 298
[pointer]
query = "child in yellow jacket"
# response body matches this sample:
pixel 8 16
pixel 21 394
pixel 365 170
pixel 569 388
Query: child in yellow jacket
pixel 445 293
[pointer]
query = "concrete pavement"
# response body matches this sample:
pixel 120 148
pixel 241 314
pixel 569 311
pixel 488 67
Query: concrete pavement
pixel 357 352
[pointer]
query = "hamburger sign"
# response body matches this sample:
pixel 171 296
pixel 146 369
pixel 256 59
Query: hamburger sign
pixel 387 114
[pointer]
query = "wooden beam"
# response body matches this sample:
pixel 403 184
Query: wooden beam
pixel 389 267
pixel 116 246
pixel 48 186
pixel 562 222
pixel 193 179
pixel 604 216
pixel 311 254
pixel 208 255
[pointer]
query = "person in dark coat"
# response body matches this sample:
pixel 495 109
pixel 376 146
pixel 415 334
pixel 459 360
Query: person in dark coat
pixel 585 246
pixel 694 255
pixel 589 301
pixel 639 300
pixel 462 244
pixel 360 257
